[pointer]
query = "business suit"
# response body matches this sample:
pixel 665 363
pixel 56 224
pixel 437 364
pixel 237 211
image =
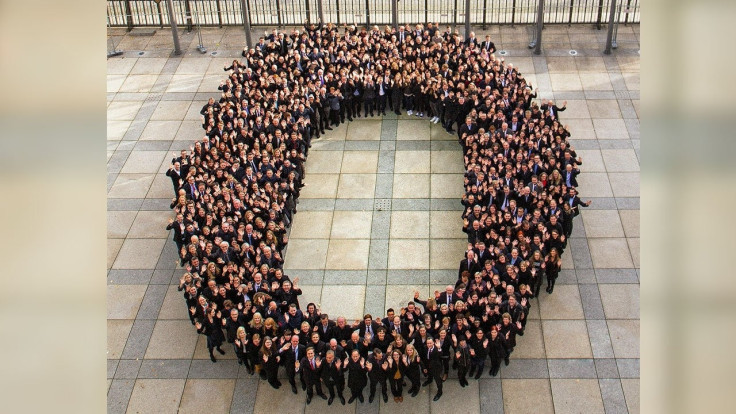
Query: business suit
pixel 373 328
pixel 288 359
pixel 471 267
pixel 176 179
pixel 311 374
pixel 333 378
pixel 432 362
pixel 568 177
pixel 574 202
pixel 443 299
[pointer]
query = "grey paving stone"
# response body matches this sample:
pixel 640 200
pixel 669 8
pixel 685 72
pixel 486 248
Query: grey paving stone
pixel 128 369
pixel 585 276
pixel 566 277
pixel 386 161
pixel 442 277
pixel 164 277
pixel 525 368
pixel 138 339
pixel 307 277
pixel 628 368
pixel 362 145
pixel 578 227
pixel 376 277
pixel 389 127
pixel 615 143
pixel 600 95
pixel 571 368
pixel 169 258
pixel 491 395
pixel 580 253
pixel 162 83
pixel 146 110
pixel 606 368
pixel 116 162
pixel 384 185
pixel 124 204
pixel 375 300
pixel 126 145
pixel 611 63
pixel 152 145
pixel 387 146
pixel 584 144
pixel 445 204
pixel 627 109
pixel 171 65
pixel 346 277
pixel 635 95
pixel 569 96
pixel 408 277
pixel 354 204
pixel 446 146
pixel 378 254
pixel 244 396
pixel 119 395
pixel 112 365
pixel 628 203
pixel 591 298
pixel 381 225
pixel 410 204
pixel 613 396
pixel 223 368
pixel 607 276
pixel 164 368
pixel 540 64
pixel 152 301
pixel 366 408
pixel 128 277
pixel 315 204
pixel 600 339
pixel 111 177
pixel 157 204
pixel 135 130
pixel 413 145
pixel 601 203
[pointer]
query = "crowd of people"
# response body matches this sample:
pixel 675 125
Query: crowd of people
pixel 237 192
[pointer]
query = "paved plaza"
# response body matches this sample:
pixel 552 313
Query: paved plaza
pixel 378 219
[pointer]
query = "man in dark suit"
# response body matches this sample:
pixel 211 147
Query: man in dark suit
pixel 342 331
pixel 179 226
pixel 333 377
pixel 568 177
pixel 290 354
pixel 399 328
pixel 574 201
pixel 487 45
pixel 368 325
pixel 325 328
pixel 448 297
pixel 174 172
pixel 469 263
pixel 553 109
pixel 432 366
pixel 310 365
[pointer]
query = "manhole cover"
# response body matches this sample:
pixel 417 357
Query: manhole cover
pixel 382 204
pixel 213 53
pixel 503 53
pixel 573 52
pixel 141 53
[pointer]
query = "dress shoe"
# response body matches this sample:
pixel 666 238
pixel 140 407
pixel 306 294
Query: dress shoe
pixel 462 384
pixel 212 358
pixel 324 397
pixel 220 351
pixel 427 382
pixel 293 389
pixel 471 371
pixel 506 361
pixel 360 398
pixel 478 374
pixel 437 397
pixel 329 402
pixel 309 399
pixel 396 399
pixel 304 386
pixel 370 398
pixel 385 397
pixel 415 393
pixel 342 399
pixel 350 401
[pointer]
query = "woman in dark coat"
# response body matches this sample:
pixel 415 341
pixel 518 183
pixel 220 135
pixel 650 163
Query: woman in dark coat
pixel 412 369
pixel 395 372
pixel 253 348
pixel 357 376
pixel 553 264
pixel 241 349
pixel 496 350
pixel 270 362
pixel 211 326
pixel 509 330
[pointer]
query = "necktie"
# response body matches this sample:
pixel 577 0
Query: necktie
pixel 296 354
pixel 398 330
pixel 313 364
pixel 429 352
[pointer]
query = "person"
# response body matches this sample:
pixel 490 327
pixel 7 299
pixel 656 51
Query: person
pixel 253 349
pixel 291 353
pixel 433 367
pixel 211 327
pixel 478 353
pixel 395 370
pixel 553 264
pixel 412 370
pixel 270 362
pixel 376 374
pixel 241 349
pixel 357 378
pixel 333 377
pixel 462 359
pixel 496 351
pixel 311 364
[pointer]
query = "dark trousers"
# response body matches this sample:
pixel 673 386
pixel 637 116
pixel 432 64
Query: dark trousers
pixel 461 373
pixel 381 102
pixel 495 364
pixel 291 374
pixel 368 104
pixel 415 380
pixel 357 103
pixel 397 386
pixel 374 383
pixel 335 116
pixel 331 386
pixel 312 386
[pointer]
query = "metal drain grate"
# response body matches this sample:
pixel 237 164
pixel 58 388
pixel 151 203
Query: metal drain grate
pixel 382 204
pixel 154 97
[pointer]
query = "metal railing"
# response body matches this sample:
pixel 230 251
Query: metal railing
pixel 219 13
